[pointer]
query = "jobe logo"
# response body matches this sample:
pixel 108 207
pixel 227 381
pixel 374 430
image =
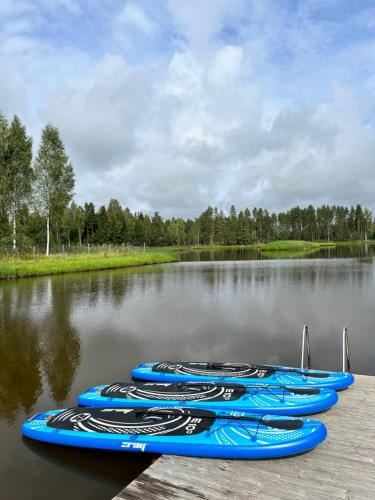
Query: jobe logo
pixel 134 446
pixel 191 426
pixel 228 394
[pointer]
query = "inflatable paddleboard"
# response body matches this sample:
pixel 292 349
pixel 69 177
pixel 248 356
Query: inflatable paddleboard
pixel 177 431
pixel 179 371
pixel 212 395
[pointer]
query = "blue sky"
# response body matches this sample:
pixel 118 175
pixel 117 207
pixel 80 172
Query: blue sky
pixel 175 104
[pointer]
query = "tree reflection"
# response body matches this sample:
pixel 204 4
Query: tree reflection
pixel 60 340
pixel 20 377
pixel 36 339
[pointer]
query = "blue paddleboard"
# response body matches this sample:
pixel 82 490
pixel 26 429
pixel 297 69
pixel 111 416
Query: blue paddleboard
pixel 179 371
pixel 177 431
pixel 212 395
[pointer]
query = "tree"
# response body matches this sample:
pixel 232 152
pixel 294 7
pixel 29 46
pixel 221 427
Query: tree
pixel 367 223
pixel 128 226
pixel 142 230
pixel 157 230
pixel 359 222
pixel 90 221
pixel 102 225
pixel 78 220
pixel 54 177
pixel 207 226
pixel 324 215
pixel 17 171
pixel 175 229
pixel 3 143
pixel 115 218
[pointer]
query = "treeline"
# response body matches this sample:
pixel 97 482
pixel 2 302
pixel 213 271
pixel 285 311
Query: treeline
pixel 45 183
pixel 36 209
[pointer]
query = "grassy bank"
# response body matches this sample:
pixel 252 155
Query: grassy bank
pixel 293 245
pixel 24 267
pixel 278 245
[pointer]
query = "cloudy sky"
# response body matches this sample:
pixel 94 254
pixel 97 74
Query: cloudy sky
pixel 176 104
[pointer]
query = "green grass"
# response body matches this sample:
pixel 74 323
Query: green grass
pixel 24 267
pixel 278 245
pixel 215 246
pixel 293 245
pixel 355 243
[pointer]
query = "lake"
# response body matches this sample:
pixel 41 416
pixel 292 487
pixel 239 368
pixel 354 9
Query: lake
pixel 62 334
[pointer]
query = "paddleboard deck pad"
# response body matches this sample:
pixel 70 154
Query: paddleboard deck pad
pixel 179 371
pixel 177 431
pixel 212 395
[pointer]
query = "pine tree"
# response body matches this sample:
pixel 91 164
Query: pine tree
pixel 157 230
pixel 207 226
pixel 102 225
pixel 115 218
pixel 90 222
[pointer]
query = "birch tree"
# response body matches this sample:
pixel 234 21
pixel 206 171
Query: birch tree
pixel 17 172
pixel 54 178
pixel 3 141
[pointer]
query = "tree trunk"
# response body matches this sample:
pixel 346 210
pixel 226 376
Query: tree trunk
pixel 47 245
pixel 80 237
pixel 14 232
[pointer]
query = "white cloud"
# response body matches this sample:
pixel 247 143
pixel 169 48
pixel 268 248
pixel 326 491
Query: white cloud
pixel 132 16
pixel 226 66
pixel 234 102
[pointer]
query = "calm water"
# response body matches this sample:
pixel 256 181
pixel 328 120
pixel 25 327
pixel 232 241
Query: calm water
pixel 59 335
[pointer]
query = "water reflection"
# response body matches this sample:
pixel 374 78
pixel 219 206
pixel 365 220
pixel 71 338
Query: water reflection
pixel 60 335
pixel 38 340
pixel 20 377
pixel 108 466
pixel 246 253
pixel 60 342
pixel 33 346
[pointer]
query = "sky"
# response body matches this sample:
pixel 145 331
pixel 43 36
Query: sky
pixel 174 105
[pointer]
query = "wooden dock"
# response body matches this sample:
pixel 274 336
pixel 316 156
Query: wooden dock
pixel 342 467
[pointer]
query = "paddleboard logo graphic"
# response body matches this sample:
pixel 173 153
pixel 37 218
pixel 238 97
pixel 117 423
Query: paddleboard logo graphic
pixel 147 421
pixel 221 370
pixel 134 446
pixel 188 391
pixel 81 417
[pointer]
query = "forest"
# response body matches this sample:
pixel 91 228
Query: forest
pixel 37 209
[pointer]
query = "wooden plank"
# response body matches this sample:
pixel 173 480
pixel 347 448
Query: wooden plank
pixel 343 467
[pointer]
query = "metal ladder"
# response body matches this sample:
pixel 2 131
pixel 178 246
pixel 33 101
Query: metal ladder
pixel 306 349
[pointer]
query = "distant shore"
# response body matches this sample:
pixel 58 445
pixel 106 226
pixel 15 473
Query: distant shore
pixel 277 245
pixel 28 265
pixel 22 267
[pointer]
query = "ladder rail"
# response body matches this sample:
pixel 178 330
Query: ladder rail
pixel 345 351
pixel 305 348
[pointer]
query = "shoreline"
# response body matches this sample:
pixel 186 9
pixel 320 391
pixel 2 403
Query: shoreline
pixel 29 266
pixel 277 245
pixel 17 268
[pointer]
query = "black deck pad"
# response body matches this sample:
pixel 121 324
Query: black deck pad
pixel 233 370
pixel 159 421
pixel 188 391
